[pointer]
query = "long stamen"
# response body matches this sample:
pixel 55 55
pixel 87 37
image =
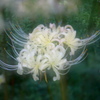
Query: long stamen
pixel 90 39
pixel 93 41
pixel 7 65
pixel 82 59
pixel 18 37
pixel 8 68
pixel 75 61
pixel 15 51
pixel 13 46
pixel 20 44
pixel 18 31
pixel 10 55
pixel 65 72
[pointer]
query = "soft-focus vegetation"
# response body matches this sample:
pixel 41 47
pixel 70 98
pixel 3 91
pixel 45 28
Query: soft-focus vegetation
pixel 83 80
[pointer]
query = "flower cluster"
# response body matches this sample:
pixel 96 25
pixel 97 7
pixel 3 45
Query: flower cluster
pixel 47 48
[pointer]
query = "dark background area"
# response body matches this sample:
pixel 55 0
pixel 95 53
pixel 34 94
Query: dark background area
pixel 83 80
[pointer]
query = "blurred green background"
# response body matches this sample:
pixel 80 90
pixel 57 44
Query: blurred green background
pixel 83 80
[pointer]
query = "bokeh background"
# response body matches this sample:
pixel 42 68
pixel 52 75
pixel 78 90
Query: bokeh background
pixel 83 80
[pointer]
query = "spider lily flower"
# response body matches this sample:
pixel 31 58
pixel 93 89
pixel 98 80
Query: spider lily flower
pixel 31 62
pixel 74 43
pixel 56 60
pixel 2 79
pixel 70 39
pixel 44 37
pixel 46 48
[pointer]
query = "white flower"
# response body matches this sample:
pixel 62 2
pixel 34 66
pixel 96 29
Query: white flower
pixel 44 37
pixel 29 59
pixel 56 61
pixel 36 65
pixel 70 39
pixel 46 48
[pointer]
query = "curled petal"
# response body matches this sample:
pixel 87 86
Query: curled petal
pixel 20 69
pixel 57 77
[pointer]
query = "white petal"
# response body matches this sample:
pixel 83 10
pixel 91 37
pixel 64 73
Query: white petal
pixel 57 77
pixel 20 69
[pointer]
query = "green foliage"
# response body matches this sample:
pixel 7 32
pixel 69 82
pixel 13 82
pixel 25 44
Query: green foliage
pixel 82 82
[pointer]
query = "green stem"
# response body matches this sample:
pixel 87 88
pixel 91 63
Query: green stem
pixel 63 88
pixel 49 91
